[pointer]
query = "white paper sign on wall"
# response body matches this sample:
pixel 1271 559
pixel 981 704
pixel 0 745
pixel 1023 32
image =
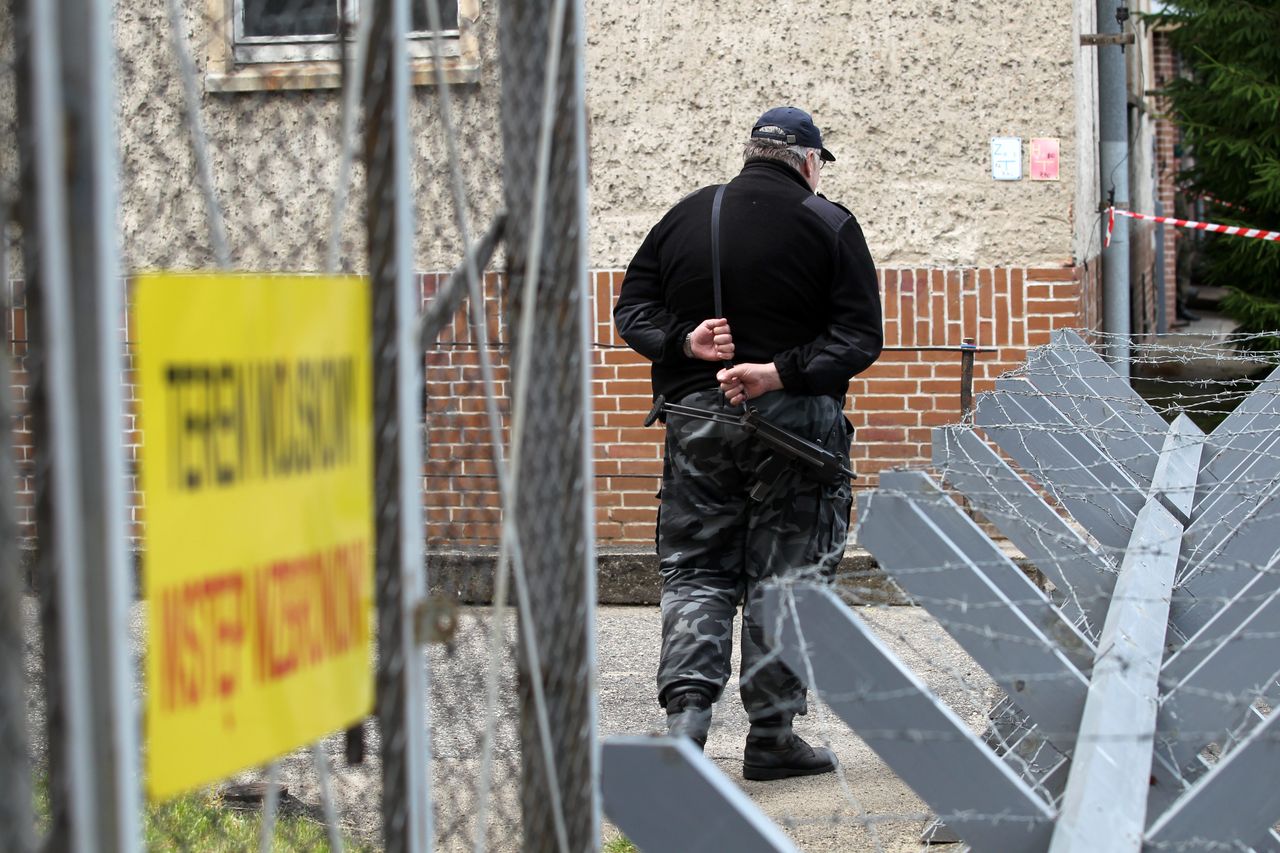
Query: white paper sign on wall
pixel 1006 158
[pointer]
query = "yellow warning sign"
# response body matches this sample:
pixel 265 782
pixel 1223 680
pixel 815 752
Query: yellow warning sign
pixel 257 478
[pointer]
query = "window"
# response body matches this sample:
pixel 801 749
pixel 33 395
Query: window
pixel 296 44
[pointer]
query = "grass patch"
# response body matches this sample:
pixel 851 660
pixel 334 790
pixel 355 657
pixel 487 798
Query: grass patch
pixel 620 845
pixel 202 821
pixel 40 802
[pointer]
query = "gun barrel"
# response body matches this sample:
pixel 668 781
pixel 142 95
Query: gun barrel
pixel 825 464
pixel 801 449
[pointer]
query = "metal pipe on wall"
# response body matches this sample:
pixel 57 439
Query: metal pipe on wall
pixel 1113 161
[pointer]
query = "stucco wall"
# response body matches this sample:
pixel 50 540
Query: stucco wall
pixel 909 94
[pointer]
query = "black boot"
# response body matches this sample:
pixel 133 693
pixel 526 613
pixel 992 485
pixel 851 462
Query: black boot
pixel 689 714
pixel 774 751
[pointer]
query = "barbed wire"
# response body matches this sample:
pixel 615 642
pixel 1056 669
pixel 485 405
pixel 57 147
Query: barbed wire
pixel 475 736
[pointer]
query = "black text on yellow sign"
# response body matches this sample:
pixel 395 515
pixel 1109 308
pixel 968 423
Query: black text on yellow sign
pixel 237 422
pixel 257 480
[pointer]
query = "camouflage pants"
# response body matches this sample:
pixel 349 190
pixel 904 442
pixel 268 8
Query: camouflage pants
pixel 716 545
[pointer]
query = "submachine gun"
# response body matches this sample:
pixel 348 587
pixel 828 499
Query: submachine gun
pixel 812 460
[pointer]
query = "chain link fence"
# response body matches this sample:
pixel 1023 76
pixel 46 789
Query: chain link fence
pixel 291 136
pixel 16 751
pixel 284 136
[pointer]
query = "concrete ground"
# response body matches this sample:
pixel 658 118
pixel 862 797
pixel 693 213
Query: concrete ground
pixel 864 807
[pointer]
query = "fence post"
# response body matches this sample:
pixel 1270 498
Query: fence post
pixel 397 401
pixel 97 291
pixel 543 131
pixel 74 305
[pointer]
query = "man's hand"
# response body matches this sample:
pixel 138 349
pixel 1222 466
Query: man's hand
pixel 710 340
pixel 744 382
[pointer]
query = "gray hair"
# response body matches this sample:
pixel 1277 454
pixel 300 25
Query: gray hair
pixel 773 149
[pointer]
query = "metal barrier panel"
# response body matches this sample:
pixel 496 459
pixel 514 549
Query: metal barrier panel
pixel 1134 691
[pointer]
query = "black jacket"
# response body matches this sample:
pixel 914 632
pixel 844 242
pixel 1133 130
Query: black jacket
pixel 798 286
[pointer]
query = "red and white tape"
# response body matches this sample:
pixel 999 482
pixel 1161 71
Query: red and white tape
pixel 1257 233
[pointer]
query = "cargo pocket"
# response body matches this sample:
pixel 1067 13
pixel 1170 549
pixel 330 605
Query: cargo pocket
pixel 831 533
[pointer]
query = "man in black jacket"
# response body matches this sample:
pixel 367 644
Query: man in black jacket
pixel 799 313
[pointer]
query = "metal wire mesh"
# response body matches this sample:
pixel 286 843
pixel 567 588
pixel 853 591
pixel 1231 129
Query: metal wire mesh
pixel 551 411
pixel 46 721
pixel 241 149
pixel 237 155
pixel 16 825
pixel 476 756
pixel 535 550
pixel 16 819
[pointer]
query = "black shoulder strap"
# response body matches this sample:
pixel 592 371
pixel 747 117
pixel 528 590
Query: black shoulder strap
pixel 715 247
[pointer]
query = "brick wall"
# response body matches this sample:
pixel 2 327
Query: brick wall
pixel 461 503
pixel 132 425
pixel 914 387
pixel 894 405
pixel 16 328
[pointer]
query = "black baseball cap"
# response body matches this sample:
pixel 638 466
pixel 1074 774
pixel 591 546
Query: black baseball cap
pixel 792 126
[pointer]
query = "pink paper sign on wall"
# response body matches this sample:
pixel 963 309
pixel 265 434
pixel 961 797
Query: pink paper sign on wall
pixel 1044 159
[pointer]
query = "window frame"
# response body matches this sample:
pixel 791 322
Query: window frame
pixel 238 63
